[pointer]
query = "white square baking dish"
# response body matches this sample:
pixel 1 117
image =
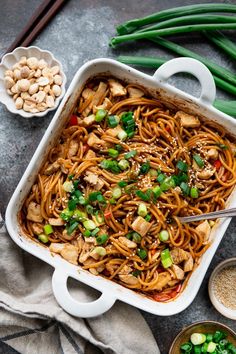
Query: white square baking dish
pixel 110 291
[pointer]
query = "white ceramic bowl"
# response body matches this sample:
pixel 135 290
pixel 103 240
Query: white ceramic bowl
pixel 158 86
pixel 12 58
pixel 225 311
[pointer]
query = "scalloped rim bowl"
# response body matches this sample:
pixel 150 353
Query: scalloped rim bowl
pixel 225 311
pixel 200 327
pixel 12 58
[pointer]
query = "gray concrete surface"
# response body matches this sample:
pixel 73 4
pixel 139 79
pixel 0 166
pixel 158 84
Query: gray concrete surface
pixel 80 32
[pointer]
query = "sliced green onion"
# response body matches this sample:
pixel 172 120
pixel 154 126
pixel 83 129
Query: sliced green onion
pixel 122 184
pixel 142 210
pixel 76 183
pixel 161 177
pixel 164 235
pixel 142 253
pixel 185 188
pixel 101 199
pixel 43 238
pixel 79 215
pixel 144 168
pixel 145 196
pixel 112 201
pixel 93 196
pixel 157 191
pixel 72 204
pixel 82 200
pixel 218 335
pixel 100 115
pixel 101 251
pixel 209 337
pixel 153 173
pixel 122 135
pixel 167 184
pixel 68 186
pixel 198 338
pixel 129 236
pixel 130 154
pixel 101 239
pixel 87 233
pixel 136 237
pixel 211 347
pixel 222 146
pixel 166 259
pixel 119 147
pixel 186 347
pixel 113 153
pixel 113 121
pixel 182 166
pixel 73 226
pixel 99 216
pixel 110 165
pixel 136 272
pixel 66 214
pixel 70 177
pixel 198 160
pixel 95 231
pixel 48 229
pixel 89 209
pixel 116 193
pixel 76 194
pixel 89 225
pixel 123 164
pixel 180 177
pixel 194 193
pixel 148 217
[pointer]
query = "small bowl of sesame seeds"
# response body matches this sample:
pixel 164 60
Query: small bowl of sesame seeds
pixel 222 288
pixel 32 81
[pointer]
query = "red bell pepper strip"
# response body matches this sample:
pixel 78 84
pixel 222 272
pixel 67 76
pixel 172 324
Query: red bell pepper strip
pixel 73 120
pixel 217 164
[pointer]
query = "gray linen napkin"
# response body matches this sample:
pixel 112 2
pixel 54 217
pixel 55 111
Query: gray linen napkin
pixel 32 322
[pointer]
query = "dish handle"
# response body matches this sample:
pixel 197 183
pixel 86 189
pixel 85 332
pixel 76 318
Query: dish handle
pixel 75 307
pixel 194 67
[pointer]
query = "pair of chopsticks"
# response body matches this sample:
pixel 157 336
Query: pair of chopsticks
pixel 36 23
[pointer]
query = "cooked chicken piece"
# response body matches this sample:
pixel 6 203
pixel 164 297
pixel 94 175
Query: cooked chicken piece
pixel 70 253
pixel 134 92
pixel 34 212
pixel 56 247
pixel 97 97
pixel 90 240
pixel 187 120
pixel 54 167
pixel 73 148
pixel 155 256
pixel 125 270
pixel 188 265
pixel 94 140
pixel 56 221
pixel 89 120
pixel 128 279
pixel 93 179
pixel 37 228
pixel 205 174
pixel 178 255
pixel 213 154
pixel 126 242
pixel 114 131
pixel 163 279
pixel 93 271
pixel 179 273
pixel 94 254
pixel 204 230
pixel 116 88
pixel 84 254
pixel 105 105
pixel 141 226
pixel 90 154
pixel 87 92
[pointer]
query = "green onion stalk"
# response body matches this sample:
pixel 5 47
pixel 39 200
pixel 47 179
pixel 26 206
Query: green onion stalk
pixel 173 13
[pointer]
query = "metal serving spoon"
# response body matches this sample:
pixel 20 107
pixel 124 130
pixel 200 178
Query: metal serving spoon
pixel 213 215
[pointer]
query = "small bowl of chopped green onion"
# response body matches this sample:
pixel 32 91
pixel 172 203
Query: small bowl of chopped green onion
pixel 205 337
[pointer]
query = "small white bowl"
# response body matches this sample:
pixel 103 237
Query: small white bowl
pixel 225 311
pixel 12 58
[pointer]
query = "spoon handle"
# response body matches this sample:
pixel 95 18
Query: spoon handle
pixel 213 215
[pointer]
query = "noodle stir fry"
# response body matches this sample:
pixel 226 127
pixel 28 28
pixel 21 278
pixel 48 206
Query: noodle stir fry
pixel 110 192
